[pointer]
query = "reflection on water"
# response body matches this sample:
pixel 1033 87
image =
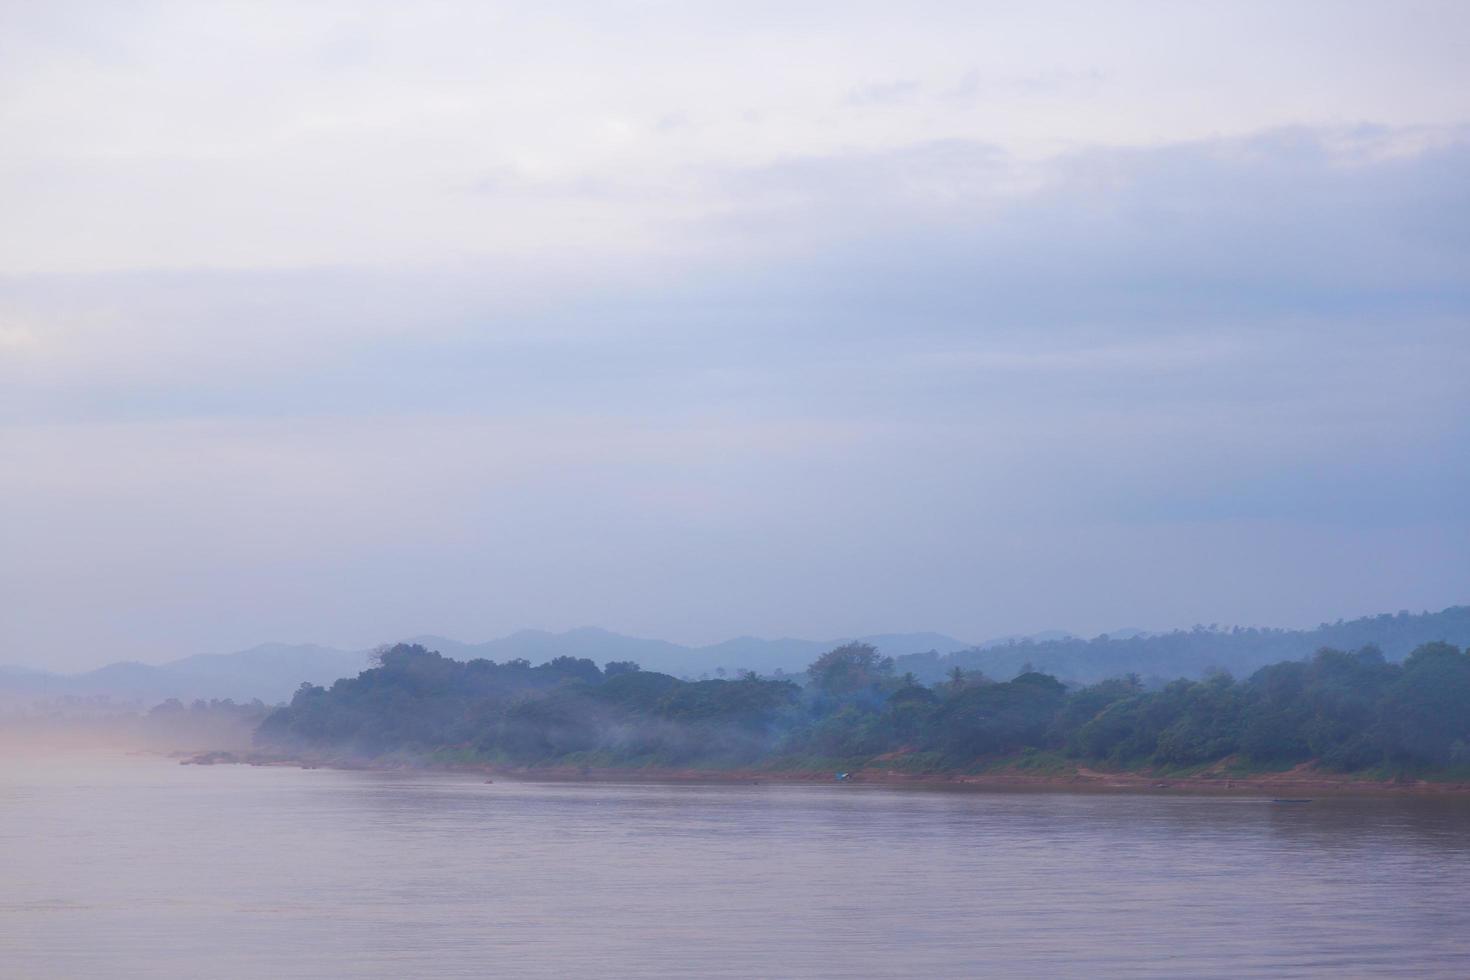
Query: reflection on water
pixel 141 868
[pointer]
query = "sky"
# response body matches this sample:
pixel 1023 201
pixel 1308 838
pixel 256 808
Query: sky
pixel 344 322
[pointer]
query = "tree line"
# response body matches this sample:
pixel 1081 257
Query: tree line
pixel 1197 652
pixel 1347 711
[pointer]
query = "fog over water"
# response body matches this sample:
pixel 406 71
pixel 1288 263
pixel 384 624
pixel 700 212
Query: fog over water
pixel 589 334
pixel 150 869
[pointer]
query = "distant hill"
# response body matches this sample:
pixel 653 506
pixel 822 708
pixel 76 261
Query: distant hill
pixel 270 672
pixel 1196 652
pixel 273 671
pixel 1045 636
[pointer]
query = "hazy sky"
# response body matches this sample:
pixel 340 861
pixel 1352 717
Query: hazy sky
pixel 340 322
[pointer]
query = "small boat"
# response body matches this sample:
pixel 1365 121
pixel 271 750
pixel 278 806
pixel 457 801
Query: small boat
pixel 842 777
pixel 1290 801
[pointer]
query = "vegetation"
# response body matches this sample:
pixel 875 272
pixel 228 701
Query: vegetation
pixel 1197 652
pixel 1347 711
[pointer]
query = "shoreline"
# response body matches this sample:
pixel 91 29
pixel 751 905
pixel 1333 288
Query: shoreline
pixel 1293 783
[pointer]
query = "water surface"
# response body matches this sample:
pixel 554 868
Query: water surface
pixel 137 867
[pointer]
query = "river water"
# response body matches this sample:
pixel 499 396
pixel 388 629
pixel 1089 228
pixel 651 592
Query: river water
pixel 138 867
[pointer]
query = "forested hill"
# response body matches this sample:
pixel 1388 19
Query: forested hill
pixel 1349 711
pixel 1198 652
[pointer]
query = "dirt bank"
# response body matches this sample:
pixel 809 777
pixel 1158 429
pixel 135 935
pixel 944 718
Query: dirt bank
pixel 1302 781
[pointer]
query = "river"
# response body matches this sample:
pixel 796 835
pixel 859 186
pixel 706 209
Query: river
pixel 137 867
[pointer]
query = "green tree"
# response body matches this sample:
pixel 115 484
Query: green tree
pixel 1427 708
pixel 850 668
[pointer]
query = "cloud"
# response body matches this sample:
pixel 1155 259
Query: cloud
pixel 334 324
pixel 931 279
pixel 975 85
pixel 322 135
pixel 896 92
pixel 960 237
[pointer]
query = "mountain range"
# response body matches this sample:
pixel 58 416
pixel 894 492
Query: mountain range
pixel 273 671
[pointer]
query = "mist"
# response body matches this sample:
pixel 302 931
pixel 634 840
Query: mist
pixel 647 489
pixel 101 728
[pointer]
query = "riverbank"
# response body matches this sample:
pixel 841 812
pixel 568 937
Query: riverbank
pixel 1300 781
